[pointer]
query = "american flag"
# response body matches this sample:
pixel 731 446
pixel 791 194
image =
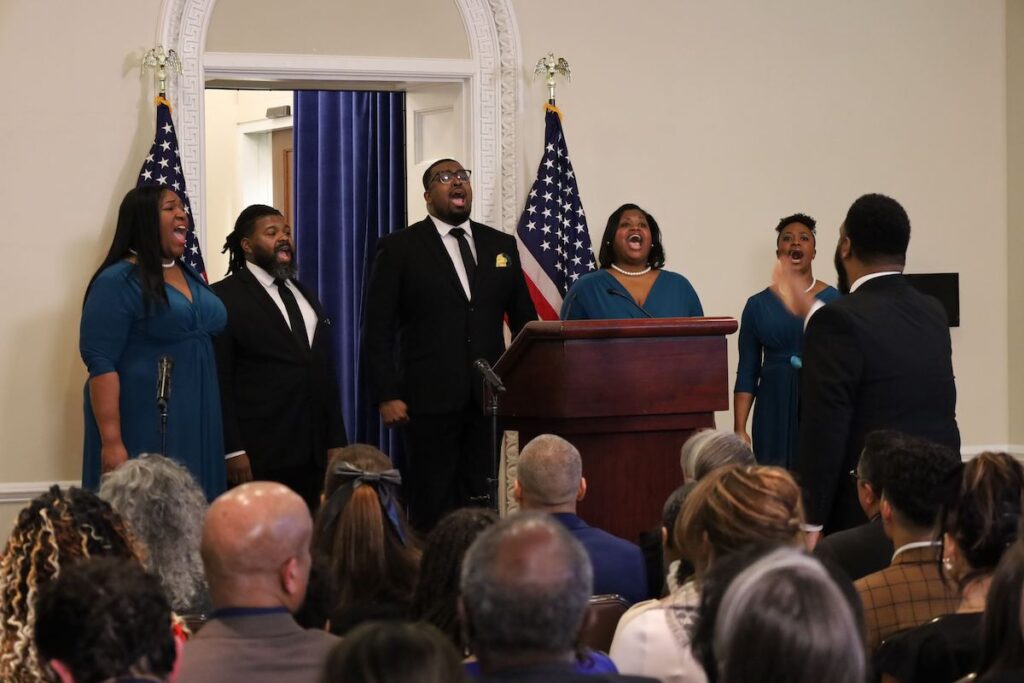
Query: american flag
pixel 554 244
pixel 163 167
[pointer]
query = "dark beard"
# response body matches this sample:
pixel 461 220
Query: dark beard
pixel 842 279
pixel 277 270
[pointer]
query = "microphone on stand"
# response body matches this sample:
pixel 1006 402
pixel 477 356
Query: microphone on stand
pixel 164 366
pixel 615 292
pixel 492 379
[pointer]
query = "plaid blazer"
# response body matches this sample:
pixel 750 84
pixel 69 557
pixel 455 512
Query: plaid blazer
pixel 908 593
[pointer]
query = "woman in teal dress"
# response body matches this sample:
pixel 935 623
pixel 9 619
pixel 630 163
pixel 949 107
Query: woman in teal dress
pixel 631 282
pixel 143 303
pixel 771 340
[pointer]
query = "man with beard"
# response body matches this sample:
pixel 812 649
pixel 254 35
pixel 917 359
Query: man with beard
pixel 879 357
pixel 282 411
pixel 437 297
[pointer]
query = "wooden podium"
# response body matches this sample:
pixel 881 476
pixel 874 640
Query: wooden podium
pixel 627 394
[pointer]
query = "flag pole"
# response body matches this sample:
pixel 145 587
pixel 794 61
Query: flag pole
pixel 159 60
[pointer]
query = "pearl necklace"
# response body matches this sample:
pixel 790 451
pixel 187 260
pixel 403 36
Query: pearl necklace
pixel 632 274
pixel 813 282
pixel 165 264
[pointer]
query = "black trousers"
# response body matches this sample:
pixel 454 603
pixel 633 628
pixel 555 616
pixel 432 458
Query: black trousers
pixel 447 463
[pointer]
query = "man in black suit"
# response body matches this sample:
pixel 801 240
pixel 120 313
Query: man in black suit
pixel 524 600
pixel 282 412
pixel 865 549
pixel 878 358
pixel 436 300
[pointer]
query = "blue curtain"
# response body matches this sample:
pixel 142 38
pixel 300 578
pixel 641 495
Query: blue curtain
pixel 349 191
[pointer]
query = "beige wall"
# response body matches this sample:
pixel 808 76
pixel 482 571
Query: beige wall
pixel 720 117
pixel 366 28
pixel 1015 210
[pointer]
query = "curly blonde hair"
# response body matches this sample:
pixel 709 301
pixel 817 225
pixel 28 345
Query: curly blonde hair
pixel 55 530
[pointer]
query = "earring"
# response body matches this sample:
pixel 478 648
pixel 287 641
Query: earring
pixel 947 564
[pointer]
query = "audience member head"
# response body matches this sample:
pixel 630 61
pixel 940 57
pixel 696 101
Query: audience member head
pixel 733 507
pixel 549 475
pixel 1002 634
pixel 710 449
pixel 870 469
pixel 394 652
pixel 144 233
pixel 105 618
pixel 981 519
pixel 914 471
pixel 669 514
pixel 255 547
pixel 526 585
pixel 775 614
pixel 164 507
pixel 361 530
pixel 52 532
pixel 437 592
pixel 607 254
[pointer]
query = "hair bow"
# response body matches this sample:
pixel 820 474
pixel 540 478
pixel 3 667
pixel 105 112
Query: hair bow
pixel 385 483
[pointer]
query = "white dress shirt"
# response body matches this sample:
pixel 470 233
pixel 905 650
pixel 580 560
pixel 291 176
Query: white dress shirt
pixel 308 314
pixel 451 243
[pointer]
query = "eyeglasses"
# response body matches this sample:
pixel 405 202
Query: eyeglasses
pixel 446 176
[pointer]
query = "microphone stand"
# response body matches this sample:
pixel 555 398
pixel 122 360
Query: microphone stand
pixel 162 406
pixel 492 407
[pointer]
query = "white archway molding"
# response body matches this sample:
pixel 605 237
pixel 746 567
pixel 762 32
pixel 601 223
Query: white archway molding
pixel 491 74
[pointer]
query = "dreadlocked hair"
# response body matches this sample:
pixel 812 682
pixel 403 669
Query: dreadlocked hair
pixel 55 530
pixel 243 229
pixel 437 592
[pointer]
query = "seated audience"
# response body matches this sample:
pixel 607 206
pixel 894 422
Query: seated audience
pixel 362 532
pixel 776 614
pixel 911 590
pixel 978 523
pixel 730 508
pixel 710 449
pixel 52 532
pixel 677 569
pixel 394 652
pixel 437 592
pixel 255 550
pixel 105 619
pixel 1002 633
pixel 164 507
pixel 526 584
pixel 549 478
pixel 865 549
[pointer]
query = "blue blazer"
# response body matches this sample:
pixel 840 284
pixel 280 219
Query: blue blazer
pixel 618 565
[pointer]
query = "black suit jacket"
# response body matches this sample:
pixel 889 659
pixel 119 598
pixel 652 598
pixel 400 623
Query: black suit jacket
pixel 879 358
pixel 280 401
pixel 554 673
pixel 421 334
pixel 859 551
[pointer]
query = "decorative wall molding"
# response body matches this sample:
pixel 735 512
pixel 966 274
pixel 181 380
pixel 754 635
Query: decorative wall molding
pixel 21 492
pixel 491 77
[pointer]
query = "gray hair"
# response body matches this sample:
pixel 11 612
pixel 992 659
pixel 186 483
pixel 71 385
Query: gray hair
pixel 164 507
pixel 710 449
pixel 549 470
pixel 513 610
pixel 788 604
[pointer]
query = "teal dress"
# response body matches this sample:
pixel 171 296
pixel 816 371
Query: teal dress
pixel 591 298
pixel 771 341
pixel 117 335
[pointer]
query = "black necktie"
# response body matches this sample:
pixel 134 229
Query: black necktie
pixel 294 314
pixel 467 255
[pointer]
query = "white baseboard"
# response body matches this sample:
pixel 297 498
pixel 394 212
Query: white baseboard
pixel 24 491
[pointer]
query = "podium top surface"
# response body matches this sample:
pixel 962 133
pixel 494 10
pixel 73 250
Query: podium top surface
pixel 633 327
